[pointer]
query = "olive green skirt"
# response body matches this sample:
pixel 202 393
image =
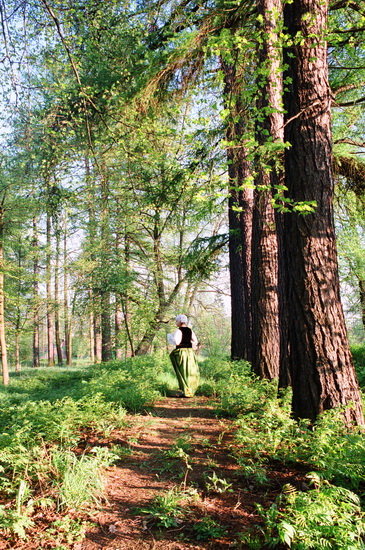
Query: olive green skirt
pixel 186 369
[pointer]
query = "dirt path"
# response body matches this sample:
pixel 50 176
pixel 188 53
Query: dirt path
pixel 150 470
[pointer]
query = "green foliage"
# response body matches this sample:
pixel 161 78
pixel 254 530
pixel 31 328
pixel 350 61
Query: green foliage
pixel 166 510
pixel 324 517
pixel 241 393
pixel 208 528
pixel 79 479
pixel 358 354
pixel 65 530
pixel 16 520
pixel 218 484
pixel 38 436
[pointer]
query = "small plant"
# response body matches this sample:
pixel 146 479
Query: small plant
pixel 179 451
pixel 17 520
pixel 66 530
pixel 166 510
pixel 218 484
pixel 120 452
pixel 80 481
pixel 208 528
pixel 253 470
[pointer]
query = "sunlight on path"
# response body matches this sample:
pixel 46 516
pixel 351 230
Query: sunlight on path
pixel 148 472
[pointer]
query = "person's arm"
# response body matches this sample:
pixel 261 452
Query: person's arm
pixel 177 337
pixel 174 338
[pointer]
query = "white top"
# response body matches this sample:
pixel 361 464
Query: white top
pixel 175 338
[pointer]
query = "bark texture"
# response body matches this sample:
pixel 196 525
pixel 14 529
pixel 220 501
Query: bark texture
pixel 269 129
pixel 323 376
pixel 240 205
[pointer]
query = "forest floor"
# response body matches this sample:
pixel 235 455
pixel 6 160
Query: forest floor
pixel 180 450
pixel 223 509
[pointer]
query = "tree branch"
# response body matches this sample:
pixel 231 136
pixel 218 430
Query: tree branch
pixel 351 103
pixel 347 87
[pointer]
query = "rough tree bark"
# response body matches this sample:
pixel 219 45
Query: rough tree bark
pixel 269 130
pixel 323 375
pixel 240 205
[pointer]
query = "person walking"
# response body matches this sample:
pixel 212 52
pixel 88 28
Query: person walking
pixel 183 357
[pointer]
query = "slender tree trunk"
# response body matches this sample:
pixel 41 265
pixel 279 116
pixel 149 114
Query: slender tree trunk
pixel 18 321
pixel 97 328
pixel 57 294
pixel 4 356
pixel 50 317
pixel 36 351
pixel 66 301
pixel 91 337
pixel 125 302
pixel 106 345
pixel 265 302
pixel 18 367
pixel 323 375
pixel 118 323
pixel 106 334
pixel 240 206
pixel 118 313
pixel 362 300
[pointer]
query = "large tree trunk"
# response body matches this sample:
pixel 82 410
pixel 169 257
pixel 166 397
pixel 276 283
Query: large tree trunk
pixel 36 352
pixel 50 320
pixel 320 359
pixel 240 205
pixel 106 335
pixel 145 344
pixel 265 303
pixel 4 355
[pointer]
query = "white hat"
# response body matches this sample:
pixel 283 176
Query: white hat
pixel 181 319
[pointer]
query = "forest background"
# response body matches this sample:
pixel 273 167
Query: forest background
pixel 123 124
pixel 183 156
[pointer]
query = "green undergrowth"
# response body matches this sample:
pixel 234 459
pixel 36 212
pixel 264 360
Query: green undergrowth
pixel 47 414
pixel 322 509
pixel 44 417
